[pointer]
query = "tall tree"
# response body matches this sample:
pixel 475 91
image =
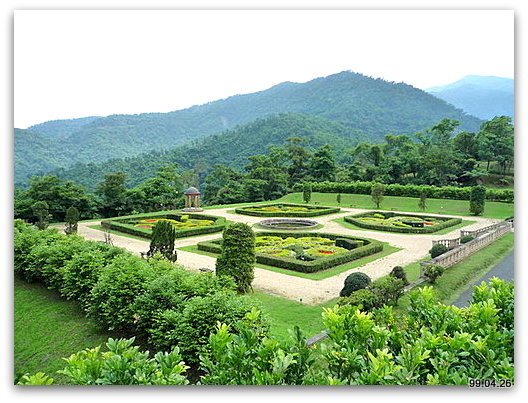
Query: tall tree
pixel 113 194
pixel 377 192
pixel 72 220
pixel 41 213
pixel 323 166
pixel 299 159
pixel 495 141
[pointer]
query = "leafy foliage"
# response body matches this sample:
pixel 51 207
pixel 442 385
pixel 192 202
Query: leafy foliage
pixel 41 212
pixel 237 258
pixel 433 271
pixel 377 192
pixel 399 272
pixel 72 219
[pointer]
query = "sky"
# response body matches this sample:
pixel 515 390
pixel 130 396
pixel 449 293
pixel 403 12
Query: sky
pixel 70 64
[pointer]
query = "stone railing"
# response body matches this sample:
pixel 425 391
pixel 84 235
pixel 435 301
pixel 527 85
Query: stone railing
pixel 489 228
pixel 459 253
pixel 448 243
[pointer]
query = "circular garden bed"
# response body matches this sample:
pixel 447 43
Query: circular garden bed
pixel 405 223
pixel 287 224
pixel 286 210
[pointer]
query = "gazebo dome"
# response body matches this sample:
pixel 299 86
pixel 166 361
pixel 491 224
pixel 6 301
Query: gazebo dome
pixel 191 191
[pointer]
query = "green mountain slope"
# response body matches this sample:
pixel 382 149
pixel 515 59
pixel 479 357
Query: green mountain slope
pixel 372 106
pixel 231 148
pixel 484 97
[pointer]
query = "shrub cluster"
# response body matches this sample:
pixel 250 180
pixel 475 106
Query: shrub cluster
pixel 433 192
pixel 120 224
pixel 407 230
pixel 152 299
pixel 384 291
pixel 369 247
pixel 437 250
pixel 312 211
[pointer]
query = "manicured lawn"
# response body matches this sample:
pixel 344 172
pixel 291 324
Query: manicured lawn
pixel 464 223
pixel 409 204
pixel 456 278
pixel 284 314
pixel 387 250
pixel 48 328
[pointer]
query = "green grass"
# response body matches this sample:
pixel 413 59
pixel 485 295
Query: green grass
pixel 464 223
pixel 320 275
pixel 409 204
pixel 46 329
pixel 455 279
pixel 284 314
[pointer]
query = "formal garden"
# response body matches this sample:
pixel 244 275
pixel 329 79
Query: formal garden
pixel 405 223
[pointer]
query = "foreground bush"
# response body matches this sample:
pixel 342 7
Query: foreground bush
pixel 430 344
pixel 384 291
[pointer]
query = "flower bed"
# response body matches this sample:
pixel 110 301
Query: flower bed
pixel 286 210
pixel 185 224
pixel 304 252
pixel 405 223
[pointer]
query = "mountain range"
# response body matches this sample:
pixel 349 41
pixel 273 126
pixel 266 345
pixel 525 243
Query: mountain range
pixel 351 106
pixel 482 96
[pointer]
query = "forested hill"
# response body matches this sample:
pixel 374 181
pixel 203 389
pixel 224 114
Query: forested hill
pixel 230 148
pixel 372 106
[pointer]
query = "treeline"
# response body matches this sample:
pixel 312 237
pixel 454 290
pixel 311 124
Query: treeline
pixel 441 164
pixel 441 157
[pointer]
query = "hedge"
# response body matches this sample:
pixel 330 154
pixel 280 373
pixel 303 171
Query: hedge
pixel 395 189
pixel 129 294
pixel 370 247
pixel 425 230
pixel 315 211
pixel 117 225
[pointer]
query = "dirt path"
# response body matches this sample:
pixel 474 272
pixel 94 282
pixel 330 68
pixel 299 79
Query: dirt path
pixel 414 247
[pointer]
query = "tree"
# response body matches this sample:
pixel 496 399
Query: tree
pixel 433 271
pixel 113 194
pixel 72 219
pixel 338 198
pixel 237 258
pixel 271 170
pixel 162 241
pixel 495 141
pixel 307 192
pixel 323 166
pixel 299 156
pixel 477 200
pixel 422 203
pixel 377 192
pixel 41 212
pixel 162 192
pixel 399 272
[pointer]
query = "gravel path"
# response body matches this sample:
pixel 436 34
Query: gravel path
pixel 414 247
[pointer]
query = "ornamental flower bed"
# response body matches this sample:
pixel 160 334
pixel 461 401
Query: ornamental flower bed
pixel 286 210
pixel 304 252
pixel 405 223
pixel 185 224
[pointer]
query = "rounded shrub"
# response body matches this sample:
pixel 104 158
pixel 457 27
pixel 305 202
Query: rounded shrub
pixel 364 299
pixel 355 281
pixel 466 239
pixel 438 250
pixel 237 258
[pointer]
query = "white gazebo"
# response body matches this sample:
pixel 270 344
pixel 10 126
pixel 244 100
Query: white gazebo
pixel 192 200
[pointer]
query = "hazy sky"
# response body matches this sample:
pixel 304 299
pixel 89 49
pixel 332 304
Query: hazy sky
pixel 79 63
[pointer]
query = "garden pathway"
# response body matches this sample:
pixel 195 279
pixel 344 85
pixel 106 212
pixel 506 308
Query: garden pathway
pixel 413 248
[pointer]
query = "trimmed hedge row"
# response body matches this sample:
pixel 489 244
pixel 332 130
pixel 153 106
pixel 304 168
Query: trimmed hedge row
pixel 425 230
pixel 395 189
pixel 117 225
pixel 151 299
pixel 370 247
pixel 316 211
